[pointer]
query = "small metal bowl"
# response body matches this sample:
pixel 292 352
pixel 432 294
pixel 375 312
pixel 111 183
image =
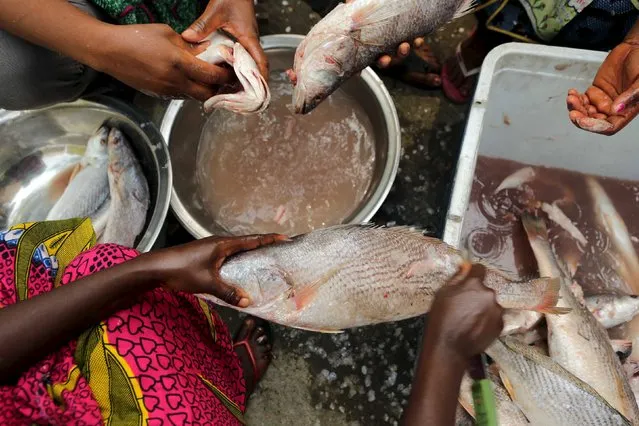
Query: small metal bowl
pixel 184 120
pixel 36 145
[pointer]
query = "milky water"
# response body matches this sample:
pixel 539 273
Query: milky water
pixel 286 173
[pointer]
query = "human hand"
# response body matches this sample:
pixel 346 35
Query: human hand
pixel 613 99
pixel 195 267
pixel 465 317
pixel 156 60
pixel 237 18
pixel 403 50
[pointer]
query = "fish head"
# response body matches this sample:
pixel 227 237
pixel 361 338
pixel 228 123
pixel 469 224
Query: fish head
pixel 260 277
pixel 121 156
pixel 97 144
pixel 320 69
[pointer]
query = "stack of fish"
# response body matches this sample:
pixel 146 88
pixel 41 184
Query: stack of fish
pixel 108 186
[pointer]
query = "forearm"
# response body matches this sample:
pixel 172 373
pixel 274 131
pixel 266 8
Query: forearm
pixel 58 26
pixel 435 391
pixel 33 328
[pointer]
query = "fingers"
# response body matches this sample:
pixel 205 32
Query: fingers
pixel 575 103
pixel 403 50
pixel 201 28
pixel 384 61
pixel 198 91
pixel 595 125
pixel 600 99
pixel 252 45
pixel 204 73
pixel 418 42
pixel 235 245
pixel 626 100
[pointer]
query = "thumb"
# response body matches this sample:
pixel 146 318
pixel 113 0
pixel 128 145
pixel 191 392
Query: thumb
pixel 627 100
pixel 202 27
pixel 251 43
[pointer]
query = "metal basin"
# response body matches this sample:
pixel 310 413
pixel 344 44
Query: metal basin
pixel 36 145
pixel 184 121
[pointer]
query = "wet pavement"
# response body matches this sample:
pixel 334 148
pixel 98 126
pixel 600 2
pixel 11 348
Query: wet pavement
pixel 363 376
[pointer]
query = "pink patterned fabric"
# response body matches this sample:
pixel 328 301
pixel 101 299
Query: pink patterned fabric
pixel 168 359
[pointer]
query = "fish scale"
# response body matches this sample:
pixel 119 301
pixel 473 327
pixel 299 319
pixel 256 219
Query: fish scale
pixel 350 276
pixel 547 393
pixel 352 37
pixel 577 341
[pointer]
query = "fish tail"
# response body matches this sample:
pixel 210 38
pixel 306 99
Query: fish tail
pixel 465 8
pixel 549 296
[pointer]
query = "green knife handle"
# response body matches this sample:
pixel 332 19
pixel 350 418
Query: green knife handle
pixel 484 400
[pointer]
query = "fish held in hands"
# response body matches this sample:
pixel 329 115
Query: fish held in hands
pixel 577 341
pixel 129 193
pixel 88 187
pixel 353 275
pixel 354 35
pixel 546 392
pixel 255 96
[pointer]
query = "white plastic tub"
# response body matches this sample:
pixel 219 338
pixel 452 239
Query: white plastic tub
pixel 519 113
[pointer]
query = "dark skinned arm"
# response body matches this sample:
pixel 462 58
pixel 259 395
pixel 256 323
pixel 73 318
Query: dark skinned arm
pixel 151 58
pixel 34 328
pixel 464 320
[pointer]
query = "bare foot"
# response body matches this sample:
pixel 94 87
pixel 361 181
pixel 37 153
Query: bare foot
pixel 253 345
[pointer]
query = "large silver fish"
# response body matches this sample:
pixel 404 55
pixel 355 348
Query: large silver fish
pixel 89 185
pixel 350 276
pixel 255 96
pixel 577 341
pixel 129 193
pixel 547 393
pixel 353 35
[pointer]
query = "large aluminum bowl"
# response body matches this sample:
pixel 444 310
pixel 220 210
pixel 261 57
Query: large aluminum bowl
pixel 183 122
pixel 36 145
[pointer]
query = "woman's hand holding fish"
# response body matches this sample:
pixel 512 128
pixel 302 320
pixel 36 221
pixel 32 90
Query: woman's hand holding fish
pixel 466 318
pixel 612 101
pixel 156 60
pixel 194 267
pixel 237 18
pixel 463 321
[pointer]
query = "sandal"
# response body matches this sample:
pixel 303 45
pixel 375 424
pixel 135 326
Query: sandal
pixel 248 343
pixel 453 92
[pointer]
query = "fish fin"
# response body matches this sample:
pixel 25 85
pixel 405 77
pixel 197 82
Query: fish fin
pixel 318 330
pixel 467 7
pixel 507 385
pixel 304 296
pixel 61 181
pixel 372 14
pixel 467 406
pixel 550 296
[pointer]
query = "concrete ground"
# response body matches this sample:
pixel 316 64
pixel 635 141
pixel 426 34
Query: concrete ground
pixel 363 376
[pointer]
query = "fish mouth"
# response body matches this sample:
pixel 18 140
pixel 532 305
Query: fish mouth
pixel 301 105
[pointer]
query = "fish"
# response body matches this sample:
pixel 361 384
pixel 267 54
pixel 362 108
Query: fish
pixel 507 411
pixel 517 179
pixel 623 348
pixel 547 393
pixel 129 193
pixel 88 187
pixel 255 95
pixel 520 321
pixel 610 220
pixel 350 276
pixel 577 341
pixel 353 35
pixel 559 217
pixel 611 310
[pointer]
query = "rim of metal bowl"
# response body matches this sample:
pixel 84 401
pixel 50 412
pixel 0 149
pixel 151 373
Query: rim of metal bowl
pixel 159 149
pixel 366 213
